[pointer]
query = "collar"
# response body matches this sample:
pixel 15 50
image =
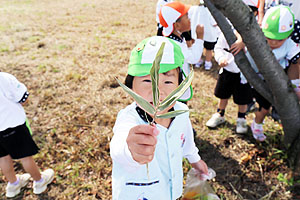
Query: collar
pixel 175 37
pixel 145 116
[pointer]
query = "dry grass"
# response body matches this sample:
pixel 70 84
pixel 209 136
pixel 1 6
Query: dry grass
pixel 68 53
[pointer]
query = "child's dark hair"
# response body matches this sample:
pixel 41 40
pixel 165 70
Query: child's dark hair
pixel 129 79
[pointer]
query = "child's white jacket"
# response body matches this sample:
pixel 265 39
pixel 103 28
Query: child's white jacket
pixel 12 113
pixel 129 178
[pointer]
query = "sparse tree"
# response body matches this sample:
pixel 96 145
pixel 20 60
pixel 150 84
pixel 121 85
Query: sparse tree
pixel 277 87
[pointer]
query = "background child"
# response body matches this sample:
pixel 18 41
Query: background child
pixel 278 24
pixel 175 21
pixel 230 84
pixel 201 15
pixel 162 145
pixel 16 141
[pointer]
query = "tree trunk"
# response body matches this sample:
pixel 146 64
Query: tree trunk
pixel 284 98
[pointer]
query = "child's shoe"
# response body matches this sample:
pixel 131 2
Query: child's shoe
pixel 241 125
pixel 13 190
pixel 215 120
pixel 47 176
pixel 258 131
pixel 207 65
pixel 198 64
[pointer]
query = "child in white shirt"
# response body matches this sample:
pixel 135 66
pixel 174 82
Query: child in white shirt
pixel 16 141
pixel 163 146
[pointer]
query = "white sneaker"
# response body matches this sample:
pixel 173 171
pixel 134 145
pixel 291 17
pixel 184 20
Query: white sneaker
pixel 207 66
pixel 47 176
pixel 241 125
pixel 215 121
pixel 198 64
pixel 14 190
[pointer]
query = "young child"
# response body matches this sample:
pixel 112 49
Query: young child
pixel 230 84
pixel 277 26
pixel 175 21
pixel 201 15
pixel 16 141
pixel 162 145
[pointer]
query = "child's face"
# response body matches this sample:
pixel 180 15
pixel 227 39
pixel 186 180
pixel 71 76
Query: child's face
pixel 184 24
pixel 167 83
pixel 274 44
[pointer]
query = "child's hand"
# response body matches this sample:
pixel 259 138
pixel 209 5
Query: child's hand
pixel 200 31
pixel 237 47
pixel 141 142
pixel 223 62
pixel 201 167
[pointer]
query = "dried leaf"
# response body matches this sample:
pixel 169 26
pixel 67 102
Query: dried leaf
pixel 172 114
pixel 154 73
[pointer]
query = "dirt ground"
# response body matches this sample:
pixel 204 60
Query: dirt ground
pixel 68 52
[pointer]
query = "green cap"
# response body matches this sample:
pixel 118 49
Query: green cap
pixel 143 55
pixel 278 23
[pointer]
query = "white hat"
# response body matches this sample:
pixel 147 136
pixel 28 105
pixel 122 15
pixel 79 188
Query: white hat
pixel 168 15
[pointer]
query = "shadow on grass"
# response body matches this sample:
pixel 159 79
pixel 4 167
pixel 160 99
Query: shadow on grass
pixel 230 174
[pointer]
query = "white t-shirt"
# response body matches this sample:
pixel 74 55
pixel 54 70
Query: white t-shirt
pixel 130 179
pixel 12 91
pixel 201 15
pixel 287 52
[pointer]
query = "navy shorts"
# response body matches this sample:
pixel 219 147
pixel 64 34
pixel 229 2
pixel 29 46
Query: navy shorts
pixel 17 142
pixel 262 102
pixel 229 84
pixel 209 45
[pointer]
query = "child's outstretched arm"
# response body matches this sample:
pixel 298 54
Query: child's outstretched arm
pixel 141 142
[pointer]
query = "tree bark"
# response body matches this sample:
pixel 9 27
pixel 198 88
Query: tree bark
pixel 283 96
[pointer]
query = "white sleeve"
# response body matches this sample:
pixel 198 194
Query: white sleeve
pixel 190 151
pixel 118 146
pixel 219 48
pixel 193 54
pixel 15 89
pixel 294 51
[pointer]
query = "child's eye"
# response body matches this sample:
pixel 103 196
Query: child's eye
pixel 168 82
pixel 147 80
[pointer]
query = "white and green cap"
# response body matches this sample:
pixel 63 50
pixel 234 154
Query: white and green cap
pixel 143 55
pixel 278 23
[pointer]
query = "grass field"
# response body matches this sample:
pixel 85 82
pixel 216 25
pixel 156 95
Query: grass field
pixel 67 53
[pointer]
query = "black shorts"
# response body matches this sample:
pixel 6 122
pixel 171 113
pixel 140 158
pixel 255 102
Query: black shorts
pixel 209 45
pixel 17 142
pixel 230 84
pixel 262 102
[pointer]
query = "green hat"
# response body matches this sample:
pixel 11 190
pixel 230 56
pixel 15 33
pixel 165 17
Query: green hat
pixel 278 23
pixel 143 55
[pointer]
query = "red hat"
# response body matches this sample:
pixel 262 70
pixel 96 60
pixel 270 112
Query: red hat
pixel 169 13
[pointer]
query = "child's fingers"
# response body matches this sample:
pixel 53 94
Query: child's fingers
pixel 146 129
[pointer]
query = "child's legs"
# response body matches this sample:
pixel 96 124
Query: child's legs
pixel 264 107
pixel 242 108
pixel 260 115
pixel 7 167
pixel 31 167
pixel 223 103
pixel 208 55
